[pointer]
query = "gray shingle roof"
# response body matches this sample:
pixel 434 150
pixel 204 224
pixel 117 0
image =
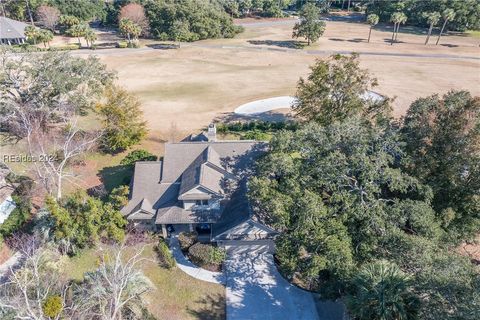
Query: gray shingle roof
pixel 179 156
pixel 236 211
pixel 205 171
pixel 11 29
pixel 176 214
pixel 156 186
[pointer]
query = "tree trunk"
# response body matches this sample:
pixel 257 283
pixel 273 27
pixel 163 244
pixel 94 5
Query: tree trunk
pixel 59 187
pixel 429 33
pixel 393 33
pixel 29 12
pixel 369 34
pixel 348 9
pixel 396 32
pixel 79 43
pixel 343 4
pixel 441 31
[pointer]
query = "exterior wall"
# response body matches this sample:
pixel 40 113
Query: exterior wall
pixel 147 225
pixel 188 204
pixel 191 204
pixel 259 246
pixel 6 207
pixel 247 231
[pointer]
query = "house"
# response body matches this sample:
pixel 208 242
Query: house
pixel 12 31
pixel 6 202
pixel 201 184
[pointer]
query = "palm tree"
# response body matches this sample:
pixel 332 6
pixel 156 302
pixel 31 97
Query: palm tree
pixel 372 20
pixel 448 15
pixel 45 36
pixel 32 34
pixel 432 19
pixel 397 18
pixel 90 37
pixel 78 30
pixel 381 292
pixel 129 29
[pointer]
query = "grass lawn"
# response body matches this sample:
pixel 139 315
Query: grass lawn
pixel 473 33
pixel 176 295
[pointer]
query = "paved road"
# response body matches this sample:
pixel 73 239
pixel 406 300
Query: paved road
pixel 255 290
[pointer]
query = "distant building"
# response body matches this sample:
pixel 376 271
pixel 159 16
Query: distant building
pixel 6 202
pixel 12 31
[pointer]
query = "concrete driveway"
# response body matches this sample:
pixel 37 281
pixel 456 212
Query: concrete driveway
pixel 255 289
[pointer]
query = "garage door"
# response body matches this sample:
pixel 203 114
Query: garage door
pixel 248 246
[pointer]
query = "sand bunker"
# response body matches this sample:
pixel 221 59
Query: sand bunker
pixel 269 104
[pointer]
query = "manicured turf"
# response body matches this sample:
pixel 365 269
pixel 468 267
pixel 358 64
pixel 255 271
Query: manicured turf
pixel 176 295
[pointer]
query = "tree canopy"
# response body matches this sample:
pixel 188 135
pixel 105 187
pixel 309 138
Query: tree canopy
pixel 442 136
pixel 466 11
pixel 122 120
pixel 78 221
pixel 309 27
pixel 189 20
pixel 334 90
pixel 372 210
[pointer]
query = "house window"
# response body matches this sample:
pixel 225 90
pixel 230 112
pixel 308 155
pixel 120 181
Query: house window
pixel 201 202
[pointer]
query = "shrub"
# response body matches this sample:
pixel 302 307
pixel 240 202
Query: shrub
pixel 256 135
pixel 199 253
pixel 119 197
pixel 164 255
pixel 133 44
pixel 217 255
pixel 67 47
pixel 17 217
pixel 187 239
pixel 122 44
pixel 137 155
pixel 205 254
pixel 52 306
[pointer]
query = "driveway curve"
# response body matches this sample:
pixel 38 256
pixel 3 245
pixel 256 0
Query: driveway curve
pixel 256 290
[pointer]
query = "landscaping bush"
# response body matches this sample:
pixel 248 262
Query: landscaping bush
pixel 122 44
pixel 52 306
pixel 164 255
pixel 72 46
pixel 137 155
pixel 17 218
pixel 205 254
pixel 256 135
pixel 187 239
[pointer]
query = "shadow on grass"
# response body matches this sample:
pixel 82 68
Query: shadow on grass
pixel 163 46
pixel 449 45
pixel 291 44
pixel 389 40
pixel 106 45
pixel 115 176
pixel 213 308
pixel 270 116
pixel 404 29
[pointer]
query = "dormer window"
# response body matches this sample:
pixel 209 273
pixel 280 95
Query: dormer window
pixel 201 202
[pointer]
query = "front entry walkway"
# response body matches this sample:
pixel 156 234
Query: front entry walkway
pixel 191 269
pixel 256 290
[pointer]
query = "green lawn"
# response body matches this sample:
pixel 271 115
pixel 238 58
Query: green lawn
pixel 176 295
pixel 473 33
